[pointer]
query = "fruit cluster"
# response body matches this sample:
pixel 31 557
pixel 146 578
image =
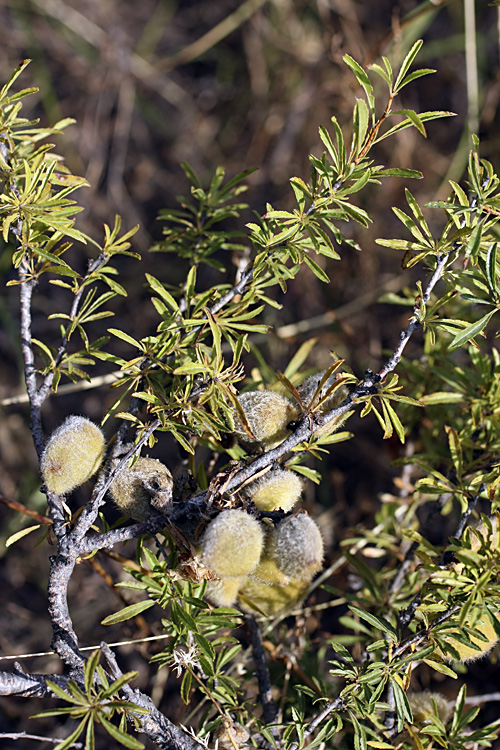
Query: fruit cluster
pixel 268 568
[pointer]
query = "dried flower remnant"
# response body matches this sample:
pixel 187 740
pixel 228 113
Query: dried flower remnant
pixel 141 491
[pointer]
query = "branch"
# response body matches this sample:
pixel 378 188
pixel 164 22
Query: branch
pixel 158 728
pixel 269 709
pixel 25 685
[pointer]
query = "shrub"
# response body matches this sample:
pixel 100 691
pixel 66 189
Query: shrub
pixel 414 593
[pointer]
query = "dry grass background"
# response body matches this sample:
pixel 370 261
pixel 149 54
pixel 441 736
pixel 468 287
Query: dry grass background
pixel 241 84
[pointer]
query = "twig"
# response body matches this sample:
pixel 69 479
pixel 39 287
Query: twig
pixel 24 736
pixel 158 728
pixel 269 708
pixel 212 37
pixel 336 705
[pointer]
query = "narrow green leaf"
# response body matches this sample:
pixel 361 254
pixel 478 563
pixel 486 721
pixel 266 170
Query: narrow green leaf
pixel 122 737
pixel 491 269
pixel 90 668
pixel 416 74
pixel 327 141
pixel 317 271
pixel 471 331
pixel 125 337
pixel 160 290
pixel 403 709
pixel 361 116
pixel 399 172
pixel 441 397
pixel 186 687
pixel 363 80
pixel 378 622
pixel 406 64
pixel 128 612
pixel 439 667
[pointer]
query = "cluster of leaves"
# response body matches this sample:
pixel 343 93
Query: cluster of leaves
pixel 196 645
pixel 96 702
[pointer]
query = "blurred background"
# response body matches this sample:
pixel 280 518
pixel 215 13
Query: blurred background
pixel 237 84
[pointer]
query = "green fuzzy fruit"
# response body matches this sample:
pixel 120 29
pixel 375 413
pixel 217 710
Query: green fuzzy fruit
pixel 425 705
pixel 268 415
pixel 72 455
pixel 296 546
pixel 223 593
pixel 271 599
pixel 141 491
pixel 483 647
pixel 232 544
pixel 277 489
pixel 310 396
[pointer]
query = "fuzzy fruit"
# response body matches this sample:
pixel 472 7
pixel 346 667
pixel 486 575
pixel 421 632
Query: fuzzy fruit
pixel 296 546
pixel 310 397
pixel 223 593
pixel 425 705
pixel 468 653
pixel 277 489
pixel 268 415
pixel 72 455
pixel 232 544
pixel 141 490
pixel 271 599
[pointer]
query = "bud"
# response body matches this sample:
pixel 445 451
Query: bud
pixel 277 489
pixel 232 544
pixel 425 705
pixel 296 546
pixel 309 396
pixel 72 455
pixel 268 415
pixel 141 490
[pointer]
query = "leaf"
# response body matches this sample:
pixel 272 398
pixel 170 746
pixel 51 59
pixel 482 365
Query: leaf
pixel 399 83
pixel 317 271
pixel 491 270
pixel 327 141
pixel 441 397
pixel 439 667
pixel 364 82
pixel 378 622
pixel 128 612
pixel 186 686
pixel 399 172
pixel 125 337
pixel 361 117
pixel 122 737
pixel 471 331
pixel 19 535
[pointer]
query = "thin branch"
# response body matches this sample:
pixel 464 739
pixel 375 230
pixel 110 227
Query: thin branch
pixel 269 708
pixel 158 728
pixel 24 736
pixel 333 706
pixel 29 685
